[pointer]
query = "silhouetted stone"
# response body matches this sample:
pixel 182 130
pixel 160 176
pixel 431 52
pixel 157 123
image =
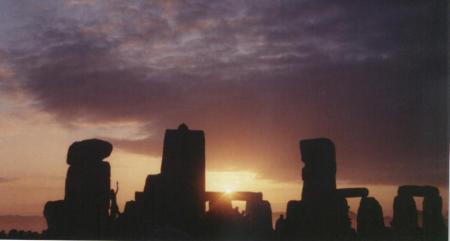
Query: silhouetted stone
pixel 295 220
pixel 88 151
pixel 433 221
pixel 54 215
pixel 175 197
pixel 129 225
pixel 370 220
pixel 405 212
pixel 87 200
pixel 352 192
pixel 259 215
pixel 324 213
pixel 417 191
pixel 405 215
pixel 172 205
pixel 85 210
pixel 280 227
pixel 183 169
pixel 319 172
pixel 221 206
pixel 255 223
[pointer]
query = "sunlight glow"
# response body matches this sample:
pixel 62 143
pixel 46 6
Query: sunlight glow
pixel 230 181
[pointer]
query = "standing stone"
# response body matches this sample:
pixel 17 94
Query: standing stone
pixel 176 197
pixel 433 221
pixel 404 221
pixel 319 172
pixel 183 171
pixel 325 213
pixel 260 219
pixel 54 215
pixel 370 221
pixel 87 189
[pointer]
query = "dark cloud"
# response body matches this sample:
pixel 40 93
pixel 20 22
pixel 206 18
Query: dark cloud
pixel 256 76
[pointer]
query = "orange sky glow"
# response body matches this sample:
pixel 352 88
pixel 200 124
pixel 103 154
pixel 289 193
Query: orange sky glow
pixel 34 168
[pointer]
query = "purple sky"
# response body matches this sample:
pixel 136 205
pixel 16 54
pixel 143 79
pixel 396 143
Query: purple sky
pixel 257 76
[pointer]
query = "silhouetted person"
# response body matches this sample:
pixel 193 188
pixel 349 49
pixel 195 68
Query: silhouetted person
pixel 114 212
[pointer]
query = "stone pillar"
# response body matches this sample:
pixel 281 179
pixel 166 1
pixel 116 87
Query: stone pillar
pixel 87 190
pixel 325 213
pixel 259 213
pixel 54 215
pixel 433 221
pixel 370 220
pixel 319 172
pixel 176 197
pixel 404 221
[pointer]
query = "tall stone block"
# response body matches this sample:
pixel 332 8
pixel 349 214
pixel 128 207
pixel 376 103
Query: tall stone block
pixel 405 215
pixel 54 215
pixel 370 221
pixel 86 199
pixel 176 197
pixel 324 211
pixel 319 172
pixel 433 221
pixel 183 171
pixel 260 219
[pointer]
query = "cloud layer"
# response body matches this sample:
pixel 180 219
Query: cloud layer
pixel 257 76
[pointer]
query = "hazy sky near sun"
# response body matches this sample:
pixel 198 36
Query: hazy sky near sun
pixel 256 76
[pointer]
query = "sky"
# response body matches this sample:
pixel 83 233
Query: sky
pixel 256 76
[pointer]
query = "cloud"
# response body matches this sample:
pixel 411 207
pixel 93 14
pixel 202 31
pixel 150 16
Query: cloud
pixel 256 77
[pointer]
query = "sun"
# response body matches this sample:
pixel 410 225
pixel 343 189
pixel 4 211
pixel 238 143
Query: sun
pixel 228 190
